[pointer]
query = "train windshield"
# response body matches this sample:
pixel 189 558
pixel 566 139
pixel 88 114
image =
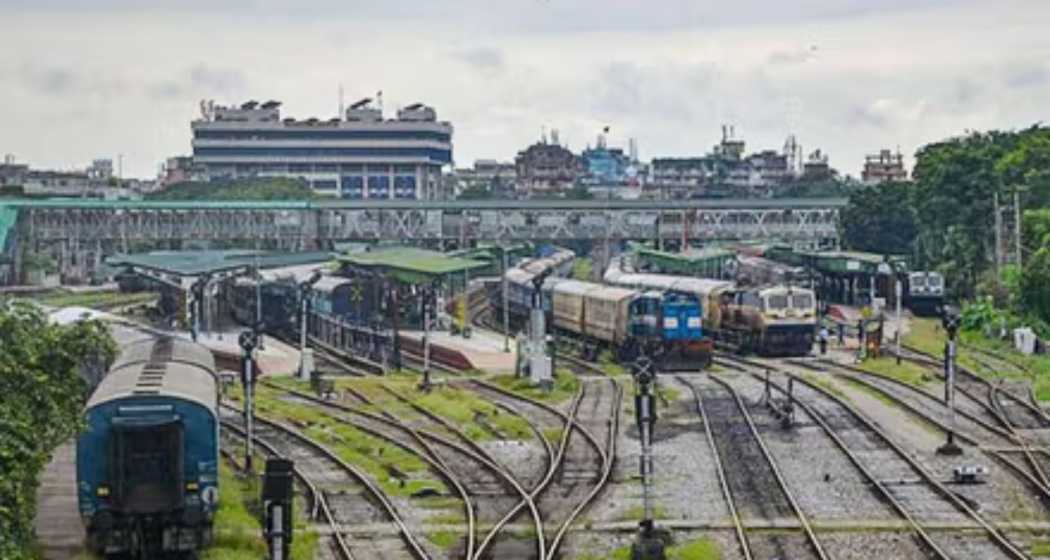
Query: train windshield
pixel 148 465
pixel 802 301
pixel 919 281
pixel 777 301
pixel 936 281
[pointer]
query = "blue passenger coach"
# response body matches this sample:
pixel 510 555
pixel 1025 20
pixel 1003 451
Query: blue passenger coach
pixel 147 463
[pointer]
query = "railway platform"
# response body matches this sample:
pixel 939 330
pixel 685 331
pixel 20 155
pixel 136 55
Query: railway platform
pixel 58 527
pixel 483 350
pixel 275 358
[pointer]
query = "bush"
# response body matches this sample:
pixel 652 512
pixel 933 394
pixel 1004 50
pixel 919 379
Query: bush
pixel 41 379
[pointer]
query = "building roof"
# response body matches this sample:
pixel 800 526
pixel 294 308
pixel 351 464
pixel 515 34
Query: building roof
pixel 410 264
pixel 196 263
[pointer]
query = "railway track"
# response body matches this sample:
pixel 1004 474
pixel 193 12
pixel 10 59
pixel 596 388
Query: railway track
pixel 347 495
pixel 912 490
pixel 993 435
pixel 527 498
pixel 579 475
pixel 1005 408
pixel 751 483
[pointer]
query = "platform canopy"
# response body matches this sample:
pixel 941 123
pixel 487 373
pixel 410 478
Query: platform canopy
pixel 181 268
pixel 411 265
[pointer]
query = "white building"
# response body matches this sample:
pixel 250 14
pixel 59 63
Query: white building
pixel 359 155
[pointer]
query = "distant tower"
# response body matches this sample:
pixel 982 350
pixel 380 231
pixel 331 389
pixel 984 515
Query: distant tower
pixel 632 149
pixel 555 137
pixel 793 153
pixel 543 134
pixel 9 159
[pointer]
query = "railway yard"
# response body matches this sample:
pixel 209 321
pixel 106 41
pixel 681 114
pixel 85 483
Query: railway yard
pixel 485 467
pixel 771 449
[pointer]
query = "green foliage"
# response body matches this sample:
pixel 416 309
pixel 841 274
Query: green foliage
pixel 981 315
pixel 96 300
pixel 579 192
pixel 39 261
pixel 44 393
pixel 476 192
pixel 879 219
pixel 581 269
pixel 830 188
pixel 262 189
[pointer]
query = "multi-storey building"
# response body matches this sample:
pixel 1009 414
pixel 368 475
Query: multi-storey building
pixel 544 166
pixel 358 155
pixel 884 166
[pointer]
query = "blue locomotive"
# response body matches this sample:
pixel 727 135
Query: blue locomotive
pixel 595 316
pixel 147 463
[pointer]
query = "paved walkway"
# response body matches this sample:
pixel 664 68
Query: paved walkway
pixel 58 527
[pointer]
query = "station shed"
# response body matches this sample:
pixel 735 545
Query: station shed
pixel 708 262
pixel 850 277
pixel 178 271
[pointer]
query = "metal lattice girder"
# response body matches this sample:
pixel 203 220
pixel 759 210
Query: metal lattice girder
pixel 68 228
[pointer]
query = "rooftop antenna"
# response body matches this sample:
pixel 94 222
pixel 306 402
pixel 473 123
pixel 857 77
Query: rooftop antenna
pixel 342 108
pixel 543 134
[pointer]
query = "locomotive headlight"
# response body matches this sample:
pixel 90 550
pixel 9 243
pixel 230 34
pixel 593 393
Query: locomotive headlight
pixel 192 486
pixel 102 491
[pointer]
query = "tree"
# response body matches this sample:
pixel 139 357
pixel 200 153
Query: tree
pixel 43 367
pixel 263 188
pixel 879 219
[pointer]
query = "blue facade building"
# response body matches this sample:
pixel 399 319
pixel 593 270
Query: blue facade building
pixel 606 166
pixel 359 155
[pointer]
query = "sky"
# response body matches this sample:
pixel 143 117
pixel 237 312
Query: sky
pixel 108 78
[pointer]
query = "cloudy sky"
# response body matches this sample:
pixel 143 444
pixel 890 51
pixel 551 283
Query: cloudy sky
pixel 846 76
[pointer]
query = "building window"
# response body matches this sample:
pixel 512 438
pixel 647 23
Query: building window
pixel 378 186
pixel 325 185
pixel 405 186
pixel 353 187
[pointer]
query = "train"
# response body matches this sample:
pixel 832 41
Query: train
pixel 595 317
pixel 924 293
pixel 147 464
pixel 768 320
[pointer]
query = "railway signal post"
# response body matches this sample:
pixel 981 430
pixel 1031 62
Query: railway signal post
pixel 306 358
pixel 277 503
pixel 248 341
pixel 650 543
pixel 950 321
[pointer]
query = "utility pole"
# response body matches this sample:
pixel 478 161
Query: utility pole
pixel 506 302
pixel 897 292
pixel 1017 224
pixel 998 237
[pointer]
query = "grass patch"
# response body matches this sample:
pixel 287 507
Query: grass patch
pixel 1041 549
pixel 667 394
pixel 238 531
pixel 553 435
pixel 699 549
pixel 565 386
pixel 63 298
pixel 825 383
pixel 444 539
pixel 907 372
pixel 635 513
pixel 473 414
pixel 398 472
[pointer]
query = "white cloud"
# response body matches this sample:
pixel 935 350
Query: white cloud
pixel 849 77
